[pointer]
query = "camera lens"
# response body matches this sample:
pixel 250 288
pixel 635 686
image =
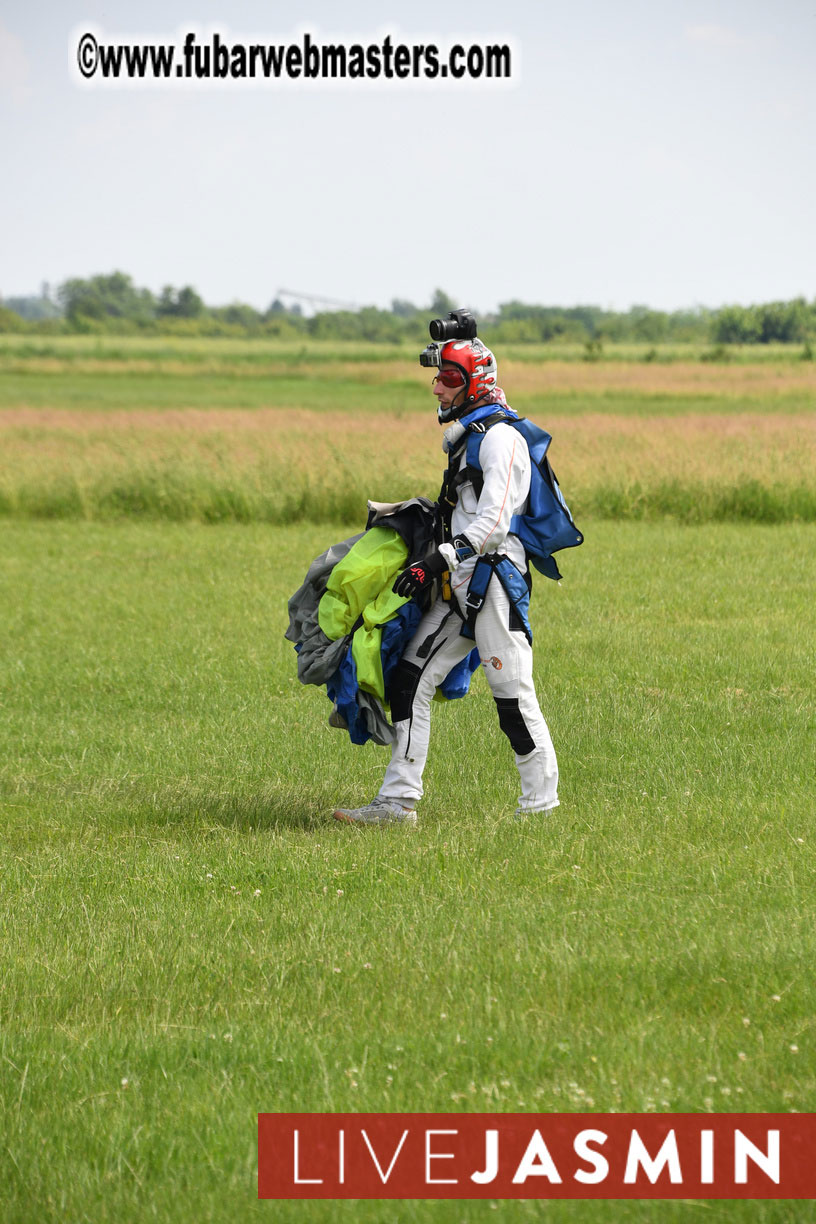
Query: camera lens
pixel 442 329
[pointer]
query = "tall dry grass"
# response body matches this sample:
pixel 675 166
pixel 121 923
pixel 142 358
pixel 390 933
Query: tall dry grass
pixel 276 433
pixel 278 466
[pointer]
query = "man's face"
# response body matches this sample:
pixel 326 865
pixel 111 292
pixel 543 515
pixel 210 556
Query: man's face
pixel 449 396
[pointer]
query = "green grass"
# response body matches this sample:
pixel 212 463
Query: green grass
pixel 402 392
pixel 193 492
pixel 259 350
pixel 156 390
pixel 160 373
pixel 184 491
pixel 188 940
pixel 194 351
pixel 738 501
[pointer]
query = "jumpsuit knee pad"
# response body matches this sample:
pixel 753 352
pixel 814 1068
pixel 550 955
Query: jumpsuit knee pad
pixel 511 721
pixel 402 692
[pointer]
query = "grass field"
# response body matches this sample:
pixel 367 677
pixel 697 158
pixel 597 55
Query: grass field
pixel 189 939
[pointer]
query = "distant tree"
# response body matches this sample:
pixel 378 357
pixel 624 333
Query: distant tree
pixel 379 325
pixel 735 325
pixel 368 323
pixel 782 322
pixel 334 325
pixel 190 305
pixel 647 324
pixel 238 314
pixel 33 307
pixel 686 326
pixel 166 304
pixel 521 322
pixel 279 310
pixel 441 304
pixel 10 320
pixel 283 324
pixel 102 298
pixel 773 322
pixel 114 303
pixel 179 303
pixel 516 331
pixel 593 318
pixel 407 310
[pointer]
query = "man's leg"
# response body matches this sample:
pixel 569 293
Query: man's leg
pixel 507 659
pixel 436 647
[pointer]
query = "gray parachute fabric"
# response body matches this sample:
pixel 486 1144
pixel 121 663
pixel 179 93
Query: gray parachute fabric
pixel 318 656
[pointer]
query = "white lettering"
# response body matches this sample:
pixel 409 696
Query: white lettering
pixel 491 1159
pixel 652 1168
pixel 585 1152
pixel 768 1161
pixel 707 1157
pixel 341 1158
pixel 536 1162
pixel 303 1181
pixel 384 1176
pixel 429 1156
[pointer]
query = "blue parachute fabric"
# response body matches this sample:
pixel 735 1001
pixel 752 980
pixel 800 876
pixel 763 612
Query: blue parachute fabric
pixel 547 524
pixel 396 634
pixel 457 682
pixel 342 689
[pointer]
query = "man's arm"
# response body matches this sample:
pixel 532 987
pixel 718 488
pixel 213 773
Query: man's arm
pixel 505 462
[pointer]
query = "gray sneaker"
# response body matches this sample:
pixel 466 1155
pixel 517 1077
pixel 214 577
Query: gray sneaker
pixel 380 812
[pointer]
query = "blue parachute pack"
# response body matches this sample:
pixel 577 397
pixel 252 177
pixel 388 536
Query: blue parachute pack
pixel 546 524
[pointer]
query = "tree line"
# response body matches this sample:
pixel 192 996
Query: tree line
pixel 113 304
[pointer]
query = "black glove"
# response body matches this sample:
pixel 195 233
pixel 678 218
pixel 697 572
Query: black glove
pixel 417 577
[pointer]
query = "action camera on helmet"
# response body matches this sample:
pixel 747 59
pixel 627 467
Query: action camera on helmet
pixel 459 325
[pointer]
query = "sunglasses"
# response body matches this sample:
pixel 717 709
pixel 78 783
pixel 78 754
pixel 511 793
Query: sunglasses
pixel 450 378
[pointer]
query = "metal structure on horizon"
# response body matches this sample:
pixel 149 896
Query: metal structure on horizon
pixel 313 301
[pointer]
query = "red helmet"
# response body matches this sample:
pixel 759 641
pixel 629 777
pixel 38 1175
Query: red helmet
pixel 478 367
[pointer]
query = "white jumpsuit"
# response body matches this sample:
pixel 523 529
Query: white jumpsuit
pixel 505 653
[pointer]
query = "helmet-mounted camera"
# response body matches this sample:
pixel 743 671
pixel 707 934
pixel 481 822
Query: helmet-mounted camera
pixel 459 325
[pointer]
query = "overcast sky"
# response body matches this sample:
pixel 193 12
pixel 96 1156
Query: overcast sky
pixel 660 152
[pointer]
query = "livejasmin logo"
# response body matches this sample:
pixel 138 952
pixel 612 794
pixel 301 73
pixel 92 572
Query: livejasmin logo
pixel 536 1156
pixel 537 1161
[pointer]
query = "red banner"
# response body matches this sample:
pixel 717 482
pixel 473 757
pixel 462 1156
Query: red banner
pixel 536 1156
